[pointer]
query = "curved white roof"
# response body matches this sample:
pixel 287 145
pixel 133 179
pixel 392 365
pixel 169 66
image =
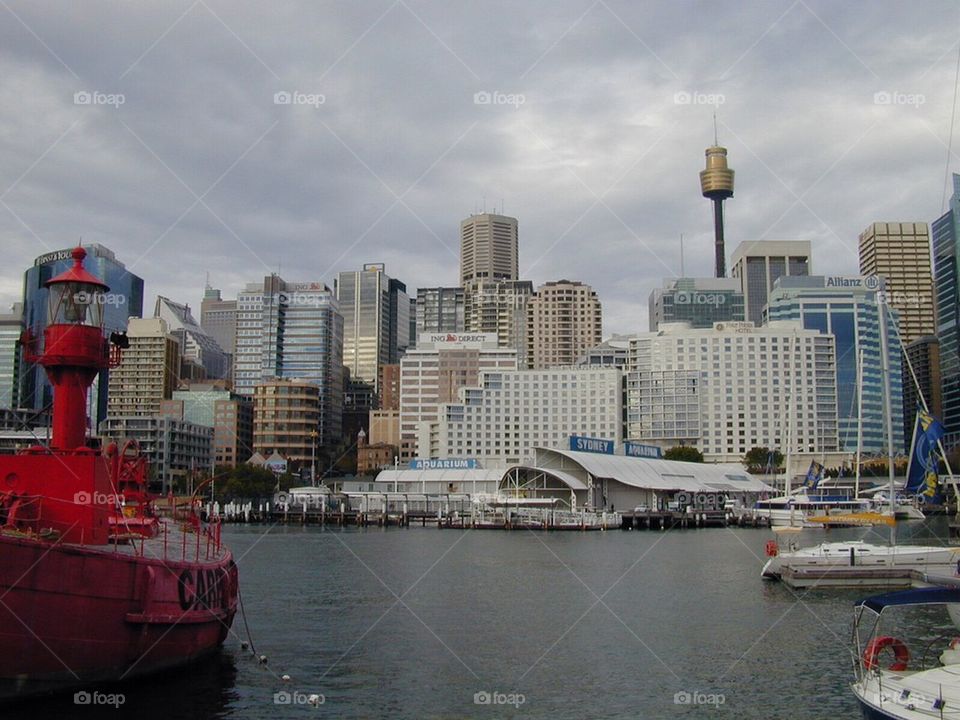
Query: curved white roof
pixel 651 474
pixel 572 481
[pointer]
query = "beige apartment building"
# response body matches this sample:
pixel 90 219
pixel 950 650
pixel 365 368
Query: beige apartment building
pixel 286 418
pixel 564 321
pixel 148 372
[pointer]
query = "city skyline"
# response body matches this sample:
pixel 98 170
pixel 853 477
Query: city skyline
pixel 588 125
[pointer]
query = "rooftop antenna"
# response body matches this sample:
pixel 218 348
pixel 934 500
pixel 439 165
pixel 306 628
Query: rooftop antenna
pixel 207 285
pixel 681 256
pixel 501 206
pixel 484 203
pixel 716 142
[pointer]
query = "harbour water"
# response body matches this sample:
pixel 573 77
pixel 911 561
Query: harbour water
pixel 421 623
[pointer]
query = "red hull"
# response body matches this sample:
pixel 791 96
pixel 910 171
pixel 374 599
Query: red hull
pixel 73 615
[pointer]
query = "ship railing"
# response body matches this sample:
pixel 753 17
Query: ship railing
pixel 21 513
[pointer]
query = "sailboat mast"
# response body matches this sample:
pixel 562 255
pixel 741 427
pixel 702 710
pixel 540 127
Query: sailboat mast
pixel 887 407
pixel 859 418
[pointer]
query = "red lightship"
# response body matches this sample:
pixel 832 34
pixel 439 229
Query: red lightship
pixel 93 586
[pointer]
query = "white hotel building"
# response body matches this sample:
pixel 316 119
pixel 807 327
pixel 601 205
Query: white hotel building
pixel 733 387
pixel 510 413
pixel 434 373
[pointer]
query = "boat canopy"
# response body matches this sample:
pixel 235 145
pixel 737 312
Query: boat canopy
pixel 922 596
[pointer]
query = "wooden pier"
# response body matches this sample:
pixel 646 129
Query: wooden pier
pixel 668 519
pixel 460 512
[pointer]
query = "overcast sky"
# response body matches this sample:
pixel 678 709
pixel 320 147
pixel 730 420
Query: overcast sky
pixel 183 163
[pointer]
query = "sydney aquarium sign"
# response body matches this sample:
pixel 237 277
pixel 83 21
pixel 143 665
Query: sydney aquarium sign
pixel 579 443
pixel 444 464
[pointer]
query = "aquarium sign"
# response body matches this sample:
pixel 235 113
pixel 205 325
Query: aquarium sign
pixel 444 464
pixel 631 449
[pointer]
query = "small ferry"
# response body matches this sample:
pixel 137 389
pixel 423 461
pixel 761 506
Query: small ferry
pixel 799 507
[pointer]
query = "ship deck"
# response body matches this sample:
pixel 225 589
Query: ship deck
pixel 177 540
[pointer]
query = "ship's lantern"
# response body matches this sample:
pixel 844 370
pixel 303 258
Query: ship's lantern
pixel 76 297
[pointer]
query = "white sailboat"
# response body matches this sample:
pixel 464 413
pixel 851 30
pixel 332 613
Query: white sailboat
pixel 931 559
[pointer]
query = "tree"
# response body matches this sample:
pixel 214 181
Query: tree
pixel 249 482
pixel 758 459
pixel 686 453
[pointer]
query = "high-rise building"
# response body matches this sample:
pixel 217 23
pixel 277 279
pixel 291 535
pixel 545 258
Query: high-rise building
pixel 413 324
pixel 389 398
pixel 489 248
pixel 698 301
pixel 529 409
pixel 286 414
pixel 218 318
pixel 435 372
pixel 292 331
pixel 499 307
pixel 376 321
pixel 923 356
pixel 123 301
pixel 946 269
pixel 213 405
pixel 440 310
pixel 564 320
pixel 11 328
pixel 196 346
pixel 900 253
pixel 759 264
pixel 730 388
pixel 149 370
pixel 847 308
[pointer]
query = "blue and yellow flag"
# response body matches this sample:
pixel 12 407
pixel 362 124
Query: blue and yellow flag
pixel 814 475
pixel 925 460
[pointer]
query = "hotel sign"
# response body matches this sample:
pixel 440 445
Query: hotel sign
pixel 643 451
pixel 591 445
pixel 53 257
pixel 444 464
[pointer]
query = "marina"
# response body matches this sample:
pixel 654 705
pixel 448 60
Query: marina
pixel 661 635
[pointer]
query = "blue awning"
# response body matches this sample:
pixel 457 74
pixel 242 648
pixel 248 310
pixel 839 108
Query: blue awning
pixel 922 596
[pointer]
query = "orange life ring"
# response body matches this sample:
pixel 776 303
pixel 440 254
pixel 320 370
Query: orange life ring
pixel 772 548
pixel 901 654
